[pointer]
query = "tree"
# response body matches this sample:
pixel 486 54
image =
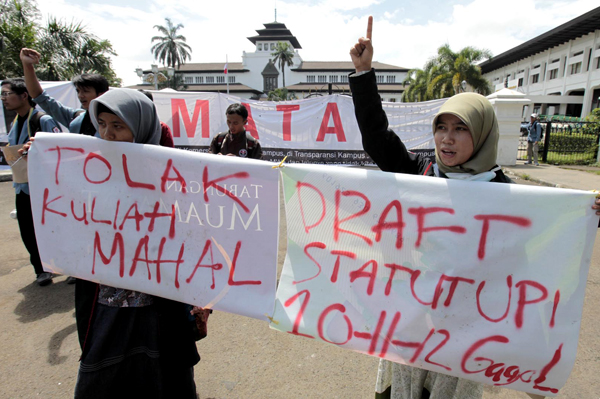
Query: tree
pixel 443 75
pixel 284 56
pixel 281 94
pixel 450 69
pixel 67 49
pixel 418 81
pixel 17 30
pixel 171 48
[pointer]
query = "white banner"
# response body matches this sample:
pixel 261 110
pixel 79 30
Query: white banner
pixel 483 281
pixel 200 229
pixel 316 130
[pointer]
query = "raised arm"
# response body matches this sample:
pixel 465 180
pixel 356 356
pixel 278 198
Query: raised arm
pixel 381 143
pixel 29 58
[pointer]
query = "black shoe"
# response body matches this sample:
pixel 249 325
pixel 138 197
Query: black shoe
pixel 43 279
pixel 71 280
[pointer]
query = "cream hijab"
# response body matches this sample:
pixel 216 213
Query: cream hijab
pixel 478 114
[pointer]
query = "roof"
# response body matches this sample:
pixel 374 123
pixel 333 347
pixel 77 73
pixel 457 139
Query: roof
pixel 212 88
pixel 580 26
pixel 275 31
pixel 270 69
pixel 216 67
pixel 348 66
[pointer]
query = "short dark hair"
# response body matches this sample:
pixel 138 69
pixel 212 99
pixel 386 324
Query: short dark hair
pixel 93 80
pixel 147 94
pixel 237 109
pixel 17 85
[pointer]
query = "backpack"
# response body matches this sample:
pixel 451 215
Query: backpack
pixel 34 122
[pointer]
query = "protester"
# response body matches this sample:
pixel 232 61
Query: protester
pixel 166 137
pixel 133 344
pixel 534 135
pixel 88 87
pixel 28 122
pixel 236 141
pixel 466 139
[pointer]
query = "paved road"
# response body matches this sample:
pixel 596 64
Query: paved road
pixel 241 358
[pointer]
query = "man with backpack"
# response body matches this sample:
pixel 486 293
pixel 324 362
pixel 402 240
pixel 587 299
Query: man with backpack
pixel 28 122
pixel 534 135
pixel 236 141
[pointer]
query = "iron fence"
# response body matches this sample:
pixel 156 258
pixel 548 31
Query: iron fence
pixel 565 142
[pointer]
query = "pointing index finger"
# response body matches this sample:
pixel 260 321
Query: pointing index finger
pixel 370 28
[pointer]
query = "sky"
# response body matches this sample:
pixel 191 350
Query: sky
pixel 405 33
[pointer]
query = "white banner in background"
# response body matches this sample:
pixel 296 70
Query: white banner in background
pixel 316 130
pixel 200 229
pixel 483 281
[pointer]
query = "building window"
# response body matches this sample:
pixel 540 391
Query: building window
pixel 231 79
pixel 390 79
pixel 553 74
pixel 220 79
pixel 199 79
pixel 520 82
pixel 577 53
pixel 344 79
pixel 333 78
pixel 392 100
pixel 272 46
pixel 322 78
pixel 536 66
pixel 598 63
pixel 270 83
pixel 259 46
pixel 310 78
pixel 379 78
pixel 188 79
pixel 210 79
pixel 535 78
pixel 575 68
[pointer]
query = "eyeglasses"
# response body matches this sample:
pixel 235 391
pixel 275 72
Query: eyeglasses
pixel 6 93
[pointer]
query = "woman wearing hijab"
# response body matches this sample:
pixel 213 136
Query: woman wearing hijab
pixel 134 345
pixel 465 133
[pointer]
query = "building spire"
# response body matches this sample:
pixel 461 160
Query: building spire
pixel 275 10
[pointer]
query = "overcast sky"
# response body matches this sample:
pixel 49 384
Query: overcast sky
pixel 405 33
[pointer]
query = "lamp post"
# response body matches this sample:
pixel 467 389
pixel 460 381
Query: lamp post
pixel 171 73
pixel 155 72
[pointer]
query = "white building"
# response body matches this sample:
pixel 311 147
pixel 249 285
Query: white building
pixel 256 75
pixel 559 71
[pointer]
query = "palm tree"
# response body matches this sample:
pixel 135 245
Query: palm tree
pixel 450 69
pixel 283 55
pixel 171 48
pixel 418 81
pixel 69 50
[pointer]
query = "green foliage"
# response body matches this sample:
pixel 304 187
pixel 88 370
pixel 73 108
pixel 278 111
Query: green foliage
pixel 176 83
pixel 281 94
pixel 67 49
pixel 593 116
pixel 574 145
pixel 442 76
pixel 17 30
pixel 171 49
pixel 283 55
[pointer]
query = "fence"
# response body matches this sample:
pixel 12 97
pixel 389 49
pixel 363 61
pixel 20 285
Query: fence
pixel 574 143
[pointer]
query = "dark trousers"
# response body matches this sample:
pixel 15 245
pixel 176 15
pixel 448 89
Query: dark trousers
pixel 25 218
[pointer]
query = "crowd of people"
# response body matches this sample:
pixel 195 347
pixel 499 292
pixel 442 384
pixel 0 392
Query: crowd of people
pixel 138 345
